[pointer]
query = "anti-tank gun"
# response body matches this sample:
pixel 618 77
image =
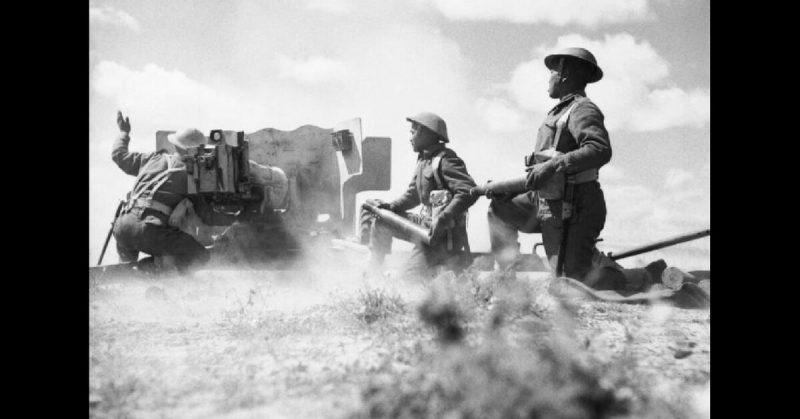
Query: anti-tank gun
pixel 221 174
pixel 271 194
pixel 284 189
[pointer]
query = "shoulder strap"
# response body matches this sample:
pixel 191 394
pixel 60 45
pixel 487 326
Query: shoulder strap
pixel 436 166
pixel 155 183
pixel 562 122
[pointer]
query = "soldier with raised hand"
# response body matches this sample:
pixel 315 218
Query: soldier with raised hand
pixel 160 186
pixel 564 201
pixel 441 185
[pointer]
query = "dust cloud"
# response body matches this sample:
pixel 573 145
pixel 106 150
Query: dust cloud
pixel 206 294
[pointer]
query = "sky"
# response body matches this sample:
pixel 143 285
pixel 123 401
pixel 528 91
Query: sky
pixel 247 65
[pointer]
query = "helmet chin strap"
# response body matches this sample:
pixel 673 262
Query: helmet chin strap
pixel 560 68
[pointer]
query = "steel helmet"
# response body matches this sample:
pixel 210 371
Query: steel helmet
pixel 190 137
pixel 433 122
pixel 579 53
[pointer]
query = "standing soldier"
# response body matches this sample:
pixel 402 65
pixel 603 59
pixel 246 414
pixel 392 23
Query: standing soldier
pixel 441 184
pixel 564 201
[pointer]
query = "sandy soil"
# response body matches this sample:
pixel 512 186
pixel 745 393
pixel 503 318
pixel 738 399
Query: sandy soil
pixel 294 344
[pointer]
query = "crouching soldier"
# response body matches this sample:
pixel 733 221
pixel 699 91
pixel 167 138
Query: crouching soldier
pixel 441 185
pixel 157 205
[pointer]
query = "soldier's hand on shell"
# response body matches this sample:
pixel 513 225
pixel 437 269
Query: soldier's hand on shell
pixel 499 196
pixel 540 173
pixel 124 124
pixel 384 205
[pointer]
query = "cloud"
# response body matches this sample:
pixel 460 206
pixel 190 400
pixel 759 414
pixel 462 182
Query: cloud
pixel 589 13
pixel 499 115
pixel 164 98
pixel 336 7
pixel 677 178
pixel 111 16
pixel 612 173
pixel 635 94
pixel 640 214
pixel 316 69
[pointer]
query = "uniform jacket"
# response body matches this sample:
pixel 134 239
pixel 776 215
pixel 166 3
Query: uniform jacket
pixel 146 166
pixel 584 139
pixel 454 175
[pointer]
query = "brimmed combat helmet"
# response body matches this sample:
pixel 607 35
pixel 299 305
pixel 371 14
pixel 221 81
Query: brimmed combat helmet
pixel 581 54
pixel 187 138
pixel 433 122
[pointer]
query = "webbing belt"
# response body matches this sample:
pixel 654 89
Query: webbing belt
pixel 584 176
pixel 427 211
pixel 153 184
pixel 153 205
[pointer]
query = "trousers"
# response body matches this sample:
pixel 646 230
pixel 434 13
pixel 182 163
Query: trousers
pixel 530 214
pixel 147 231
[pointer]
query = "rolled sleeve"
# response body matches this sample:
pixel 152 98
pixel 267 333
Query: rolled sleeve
pixel 129 161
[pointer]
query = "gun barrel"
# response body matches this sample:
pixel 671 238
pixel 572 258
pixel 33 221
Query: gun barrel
pixel 403 227
pixel 516 186
pixel 661 244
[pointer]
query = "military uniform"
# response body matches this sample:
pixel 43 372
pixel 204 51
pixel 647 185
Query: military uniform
pixel 453 250
pixel 161 183
pixel 585 142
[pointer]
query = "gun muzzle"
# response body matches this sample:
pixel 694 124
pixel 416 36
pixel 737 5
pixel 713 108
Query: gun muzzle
pixel 405 229
pixel 514 186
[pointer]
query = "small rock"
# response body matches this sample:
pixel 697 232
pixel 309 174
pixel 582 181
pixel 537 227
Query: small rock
pixel 682 353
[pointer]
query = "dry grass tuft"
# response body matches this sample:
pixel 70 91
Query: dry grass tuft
pixel 494 380
pixel 377 304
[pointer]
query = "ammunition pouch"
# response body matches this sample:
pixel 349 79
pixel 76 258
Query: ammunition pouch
pixel 439 200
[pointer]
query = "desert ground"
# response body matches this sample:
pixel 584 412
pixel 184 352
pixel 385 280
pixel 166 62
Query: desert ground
pixel 332 341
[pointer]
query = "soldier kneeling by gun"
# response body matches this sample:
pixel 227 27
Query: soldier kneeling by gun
pixel 560 197
pixel 441 184
pixel 160 212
